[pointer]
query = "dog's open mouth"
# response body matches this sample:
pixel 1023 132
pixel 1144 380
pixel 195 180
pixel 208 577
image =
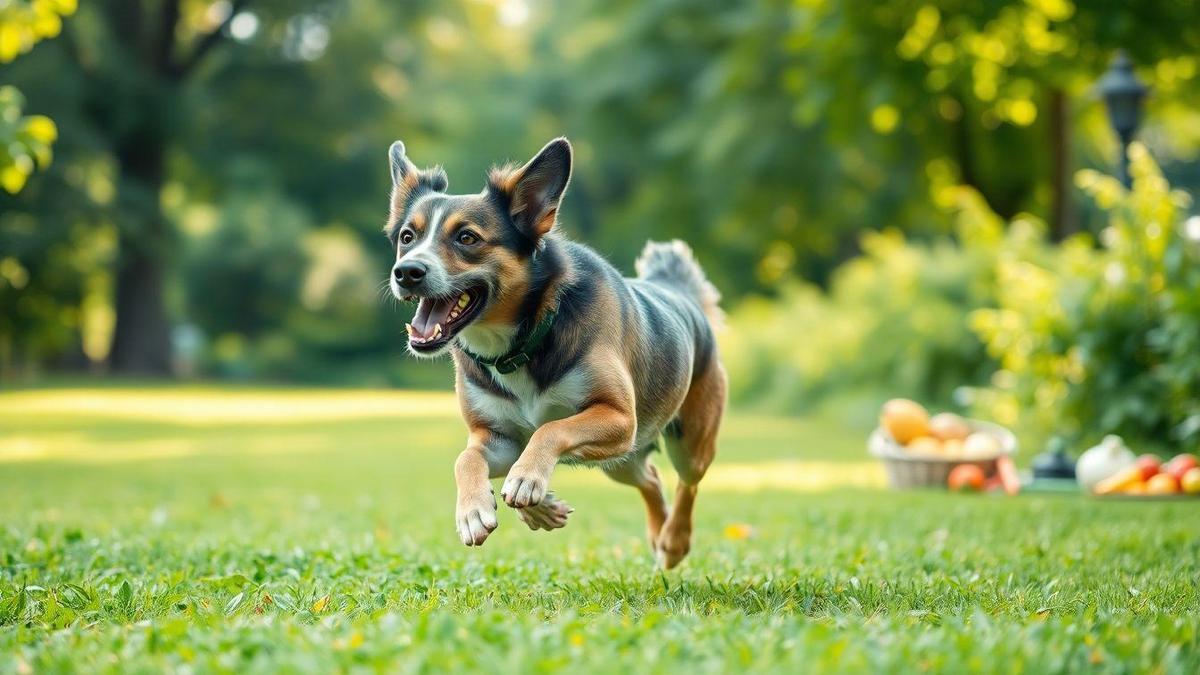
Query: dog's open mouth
pixel 438 320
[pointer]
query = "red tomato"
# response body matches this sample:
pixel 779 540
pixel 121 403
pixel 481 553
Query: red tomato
pixel 1181 464
pixel 966 478
pixel 1150 465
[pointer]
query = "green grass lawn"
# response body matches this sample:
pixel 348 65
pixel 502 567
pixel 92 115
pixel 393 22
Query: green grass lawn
pixel 265 530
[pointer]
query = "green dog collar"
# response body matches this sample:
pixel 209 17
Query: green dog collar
pixel 520 355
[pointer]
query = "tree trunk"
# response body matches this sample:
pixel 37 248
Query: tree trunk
pixel 142 337
pixel 1062 215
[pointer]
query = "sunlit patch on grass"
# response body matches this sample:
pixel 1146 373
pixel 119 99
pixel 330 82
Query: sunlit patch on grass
pixel 200 407
pixel 85 449
pixel 78 447
pixel 787 475
pixel 82 449
pixel 796 476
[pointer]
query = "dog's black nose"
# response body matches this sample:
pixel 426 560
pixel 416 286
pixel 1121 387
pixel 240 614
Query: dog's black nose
pixel 409 273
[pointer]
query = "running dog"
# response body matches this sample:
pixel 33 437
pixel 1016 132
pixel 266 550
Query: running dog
pixel 557 357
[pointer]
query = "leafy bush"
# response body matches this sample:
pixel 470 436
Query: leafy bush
pixel 894 319
pixel 1104 340
pixel 1078 339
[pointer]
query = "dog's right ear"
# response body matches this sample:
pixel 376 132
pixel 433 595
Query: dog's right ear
pixel 408 181
pixel 534 191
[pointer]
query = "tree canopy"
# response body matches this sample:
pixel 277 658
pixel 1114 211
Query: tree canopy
pixel 219 167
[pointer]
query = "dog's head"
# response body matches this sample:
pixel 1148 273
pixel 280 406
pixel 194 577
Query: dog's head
pixel 466 258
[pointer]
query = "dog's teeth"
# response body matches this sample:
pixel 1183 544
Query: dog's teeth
pixel 408 327
pixel 454 314
pixel 437 329
pixel 463 300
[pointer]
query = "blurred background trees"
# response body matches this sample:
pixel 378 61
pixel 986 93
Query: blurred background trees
pixel 218 180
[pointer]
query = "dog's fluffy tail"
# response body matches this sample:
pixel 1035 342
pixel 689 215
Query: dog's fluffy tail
pixel 673 264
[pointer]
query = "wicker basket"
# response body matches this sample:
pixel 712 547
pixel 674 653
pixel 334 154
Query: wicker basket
pixel 906 470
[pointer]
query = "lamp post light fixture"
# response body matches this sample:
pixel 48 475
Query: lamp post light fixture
pixel 1123 94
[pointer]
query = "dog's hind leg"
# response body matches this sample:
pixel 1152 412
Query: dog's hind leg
pixel 641 474
pixel 549 514
pixel 700 419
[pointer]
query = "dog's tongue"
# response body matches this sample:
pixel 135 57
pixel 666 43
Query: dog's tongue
pixel 431 312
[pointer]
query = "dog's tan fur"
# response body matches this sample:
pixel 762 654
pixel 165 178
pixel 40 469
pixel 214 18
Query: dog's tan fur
pixel 624 361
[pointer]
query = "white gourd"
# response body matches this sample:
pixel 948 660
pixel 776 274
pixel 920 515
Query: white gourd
pixel 1102 461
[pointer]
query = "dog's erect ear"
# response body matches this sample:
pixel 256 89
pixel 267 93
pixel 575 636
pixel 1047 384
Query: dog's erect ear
pixel 536 189
pixel 408 180
pixel 402 169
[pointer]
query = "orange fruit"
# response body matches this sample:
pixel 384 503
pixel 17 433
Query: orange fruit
pixel 953 448
pixel 949 427
pixel 904 420
pixel 1191 481
pixel 1134 488
pixel 1162 484
pixel 966 478
pixel 925 445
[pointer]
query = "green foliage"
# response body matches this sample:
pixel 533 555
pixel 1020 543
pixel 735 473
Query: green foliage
pixel 1067 339
pixel 769 134
pixel 256 244
pixel 24 23
pixel 1100 341
pixel 25 140
pixel 772 133
pixel 234 530
pixel 895 318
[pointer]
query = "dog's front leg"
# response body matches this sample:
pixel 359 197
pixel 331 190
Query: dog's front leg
pixel 599 432
pixel 488 455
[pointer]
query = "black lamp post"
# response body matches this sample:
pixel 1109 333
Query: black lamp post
pixel 1123 93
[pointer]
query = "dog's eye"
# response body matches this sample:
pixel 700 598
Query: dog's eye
pixel 407 236
pixel 466 238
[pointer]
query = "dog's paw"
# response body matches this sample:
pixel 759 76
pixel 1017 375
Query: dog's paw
pixel 525 487
pixel 667 559
pixel 475 521
pixel 550 514
pixel 672 546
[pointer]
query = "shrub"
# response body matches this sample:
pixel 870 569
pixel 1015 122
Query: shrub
pixel 1104 340
pixel 894 320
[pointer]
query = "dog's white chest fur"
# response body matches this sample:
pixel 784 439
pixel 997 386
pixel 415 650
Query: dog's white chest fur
pixel 532 408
